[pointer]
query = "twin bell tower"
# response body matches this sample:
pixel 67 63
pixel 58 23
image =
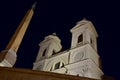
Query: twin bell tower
pixel 81 59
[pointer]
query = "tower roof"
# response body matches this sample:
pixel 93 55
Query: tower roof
pixel 83 22
pixel 80 23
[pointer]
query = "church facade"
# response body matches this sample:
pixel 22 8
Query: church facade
pixel 81 59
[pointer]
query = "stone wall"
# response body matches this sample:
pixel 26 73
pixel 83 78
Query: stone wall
pixel 26 74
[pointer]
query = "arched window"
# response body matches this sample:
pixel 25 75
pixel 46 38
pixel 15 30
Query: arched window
pixel 44 52
pixel 80 38
pixel 92 42
pixel 57 65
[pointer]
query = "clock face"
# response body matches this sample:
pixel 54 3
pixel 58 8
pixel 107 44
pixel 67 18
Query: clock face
pixel 79 56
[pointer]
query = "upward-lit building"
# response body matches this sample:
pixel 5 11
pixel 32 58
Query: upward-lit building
pixel 80 62
pixel 81 59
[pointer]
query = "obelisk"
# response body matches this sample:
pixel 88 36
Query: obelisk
pixel 8 56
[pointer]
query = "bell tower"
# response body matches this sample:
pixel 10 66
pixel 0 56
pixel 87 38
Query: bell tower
pixel 84 59
pixel 84 33
pixel 48 47
pixel 8 56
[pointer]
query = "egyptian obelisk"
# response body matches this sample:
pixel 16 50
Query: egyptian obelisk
pixel 8 56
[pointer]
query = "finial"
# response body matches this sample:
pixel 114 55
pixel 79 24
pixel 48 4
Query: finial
pixel 54 34
pixel 34 4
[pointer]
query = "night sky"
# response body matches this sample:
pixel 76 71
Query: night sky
pixel 60 16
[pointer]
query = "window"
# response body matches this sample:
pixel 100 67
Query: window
pixel 62 65
pixel 51 68
pixel 91 41
pixel 44 52
pixel 53 52
pixel 57 65
pixel 80 38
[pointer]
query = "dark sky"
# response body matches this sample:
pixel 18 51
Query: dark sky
pixel 60 16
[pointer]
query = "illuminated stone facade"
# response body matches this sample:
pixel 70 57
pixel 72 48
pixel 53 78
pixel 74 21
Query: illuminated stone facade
pixel 81 59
